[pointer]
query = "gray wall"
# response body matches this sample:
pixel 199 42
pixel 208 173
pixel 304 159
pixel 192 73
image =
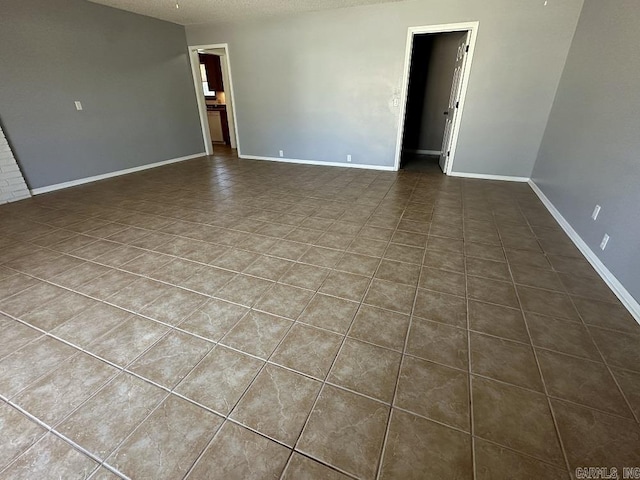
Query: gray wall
pixel 130 72
pixel 321 85
pixel 442 63
pixel 590 153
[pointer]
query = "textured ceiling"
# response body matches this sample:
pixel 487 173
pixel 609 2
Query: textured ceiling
pixel 222 11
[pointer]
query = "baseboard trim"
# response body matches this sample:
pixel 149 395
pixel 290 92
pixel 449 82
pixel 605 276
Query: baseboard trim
pixel 483 176
pixel 117 173
pixel 423 152
pixel 614 284
pixel 317 162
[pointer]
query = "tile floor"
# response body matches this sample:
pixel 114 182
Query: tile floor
pixel 223 318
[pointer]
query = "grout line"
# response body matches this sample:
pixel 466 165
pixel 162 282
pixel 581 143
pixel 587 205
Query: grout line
pixel 175 327
pixel 474 467
pixel 404 350
pixel 539 368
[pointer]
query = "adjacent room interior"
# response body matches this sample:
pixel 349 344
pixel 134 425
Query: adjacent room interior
pixel 365 239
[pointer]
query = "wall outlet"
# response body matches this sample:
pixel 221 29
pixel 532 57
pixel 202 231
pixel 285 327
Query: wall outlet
pixel 396 102
pixel 596 212
pixel 604 242
pixel 281 153
pixel 78 105
pixel 348 158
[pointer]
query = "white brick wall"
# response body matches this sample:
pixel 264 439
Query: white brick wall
pixel 12 184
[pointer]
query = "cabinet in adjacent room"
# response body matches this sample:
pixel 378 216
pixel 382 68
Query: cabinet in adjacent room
pixel 213 70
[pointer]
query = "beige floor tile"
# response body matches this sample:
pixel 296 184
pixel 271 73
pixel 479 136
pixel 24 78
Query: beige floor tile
pixel 57 394
pixel 257 333
pixel 562 336
pixel 174 306
pixel 498 321
pixel 214 319
pixel 366 369
pixel 434 391
pixel 128 340
pixel 244 290
pixel 236 259
pixel 139 294
pixel 443 281
pixel 345 430
pixel 368 246
pixel 390 296
pixel 492 291
pixel 208 280
pixel 51 457
pixel 505 360
pixel 269 268
pixel 397 257
pixel 588 287
pixel 345 285
pixel 288 249
pixel 277 404
pixel 308 350
pixel 438 342
pixel 630 385
pixel 177 431
pixel 331 313
pixel 454 262
pixel 441 307
pixel 380 327
pixel 537 277
pixel 606 315
pixel 107 284
pixel 171 359
pixel 516 418
pixel 301 467
pixel 305 276
pixel 596 438
pixel 494 462
pixel 101 423
pixel 482 250
pixel 398 272
pixel 618 349
pixel 479 267
pixel 22 303
pixel 404 253
pixel 230 371
pixel 417 448
pixel 284 300
pixel 14 335
pixel 18 434
pixel 358 264
pixel 54 313
pixel 239 453
pixel 544 302
pixel 582 381
pixel 85 328
pixel 19 369
pixel 321 257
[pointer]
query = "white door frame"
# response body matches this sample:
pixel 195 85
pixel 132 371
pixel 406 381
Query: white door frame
pixel 202 106
pixel 472 28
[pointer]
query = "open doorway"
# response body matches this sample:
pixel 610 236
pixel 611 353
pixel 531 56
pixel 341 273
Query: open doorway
pixel 214 88
pixel 436 76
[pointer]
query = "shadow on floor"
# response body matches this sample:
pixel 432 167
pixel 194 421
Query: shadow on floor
pixel 415 162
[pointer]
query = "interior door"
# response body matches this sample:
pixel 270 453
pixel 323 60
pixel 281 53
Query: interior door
pixel 454 98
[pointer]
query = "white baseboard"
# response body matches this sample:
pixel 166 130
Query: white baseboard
pixel 614 284
pixel 95 178
pixel 489 177
pixel 317 162
pixel 423 152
